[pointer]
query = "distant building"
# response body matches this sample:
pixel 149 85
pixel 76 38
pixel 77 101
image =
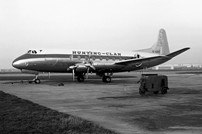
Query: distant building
pixel 178 67
pixel 164 67
pixel 9 70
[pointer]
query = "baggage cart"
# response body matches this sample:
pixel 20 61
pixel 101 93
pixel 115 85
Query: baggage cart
pixel 153 83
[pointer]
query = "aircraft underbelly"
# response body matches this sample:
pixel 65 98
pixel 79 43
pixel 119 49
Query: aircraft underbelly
pixel 112 67
pixel 50 65
pixel 151 63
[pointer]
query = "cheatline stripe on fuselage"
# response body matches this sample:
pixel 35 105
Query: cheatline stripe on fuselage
pixel 30 56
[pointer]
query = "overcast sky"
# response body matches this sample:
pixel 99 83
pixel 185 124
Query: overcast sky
pixel 115 25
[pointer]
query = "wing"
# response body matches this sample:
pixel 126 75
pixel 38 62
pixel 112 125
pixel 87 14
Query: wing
pixel 125 62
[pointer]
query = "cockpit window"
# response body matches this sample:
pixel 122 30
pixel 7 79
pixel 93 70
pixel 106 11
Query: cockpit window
pixel 29 52
pixel 32 52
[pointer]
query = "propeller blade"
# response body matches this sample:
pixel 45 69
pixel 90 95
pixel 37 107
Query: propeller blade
pixel 90 66
pixel 73 74
pixel 49 75
pixel 87 72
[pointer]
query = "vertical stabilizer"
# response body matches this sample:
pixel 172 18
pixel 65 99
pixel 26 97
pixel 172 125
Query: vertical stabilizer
pixel 160 47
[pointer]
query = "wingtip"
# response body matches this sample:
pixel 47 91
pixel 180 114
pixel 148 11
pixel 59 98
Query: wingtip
pixel 187 48
pixel 173 54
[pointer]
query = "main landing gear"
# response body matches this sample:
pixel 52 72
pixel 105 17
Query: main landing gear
pixel 80 78
pixel 107 77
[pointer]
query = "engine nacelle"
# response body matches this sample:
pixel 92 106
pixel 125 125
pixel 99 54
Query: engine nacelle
pixel 81 69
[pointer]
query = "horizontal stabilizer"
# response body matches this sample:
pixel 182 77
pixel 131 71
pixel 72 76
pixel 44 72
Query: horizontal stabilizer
pixel 171 55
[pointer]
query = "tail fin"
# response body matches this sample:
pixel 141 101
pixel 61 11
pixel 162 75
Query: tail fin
pixel 161 46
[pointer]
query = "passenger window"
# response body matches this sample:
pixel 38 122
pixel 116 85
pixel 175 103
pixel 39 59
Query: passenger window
pixel 107 58
pixel 86 57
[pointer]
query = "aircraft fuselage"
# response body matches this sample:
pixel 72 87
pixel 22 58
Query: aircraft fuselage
pixel 61 62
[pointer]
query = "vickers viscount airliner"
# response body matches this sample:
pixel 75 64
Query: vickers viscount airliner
pixel 104 64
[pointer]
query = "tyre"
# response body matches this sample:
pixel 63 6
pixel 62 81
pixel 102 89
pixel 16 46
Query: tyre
pixel 141 92
pixel 106 79
pixel 80 78
pixel 37 81
pixel 164 91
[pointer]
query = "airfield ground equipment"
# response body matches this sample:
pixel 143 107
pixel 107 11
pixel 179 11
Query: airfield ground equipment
pixel 153 83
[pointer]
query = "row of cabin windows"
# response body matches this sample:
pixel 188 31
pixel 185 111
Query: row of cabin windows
pixel 100 58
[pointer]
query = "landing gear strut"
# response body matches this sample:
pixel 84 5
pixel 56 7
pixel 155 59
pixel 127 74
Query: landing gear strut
pixel 36 80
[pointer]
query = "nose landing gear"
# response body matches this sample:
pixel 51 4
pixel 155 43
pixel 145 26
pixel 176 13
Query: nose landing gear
pixel 36 80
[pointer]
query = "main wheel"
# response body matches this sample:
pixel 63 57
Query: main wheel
pixel 141 92
pixel 80 78
pixel 37 81
pixel 164 90
pixel 106 79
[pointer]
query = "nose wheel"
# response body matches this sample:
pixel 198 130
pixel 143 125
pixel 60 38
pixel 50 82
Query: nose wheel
pixel 37 81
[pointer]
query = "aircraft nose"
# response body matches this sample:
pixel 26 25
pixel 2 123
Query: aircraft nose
pixel 18 64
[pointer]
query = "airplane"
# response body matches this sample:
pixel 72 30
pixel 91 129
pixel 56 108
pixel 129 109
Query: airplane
pixel 104 64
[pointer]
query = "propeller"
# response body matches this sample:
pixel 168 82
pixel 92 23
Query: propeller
pixel 88 64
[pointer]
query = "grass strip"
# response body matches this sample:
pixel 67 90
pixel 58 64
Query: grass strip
pixel 22 116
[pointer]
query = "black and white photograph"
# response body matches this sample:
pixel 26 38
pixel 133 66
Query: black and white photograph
pixel 100 67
